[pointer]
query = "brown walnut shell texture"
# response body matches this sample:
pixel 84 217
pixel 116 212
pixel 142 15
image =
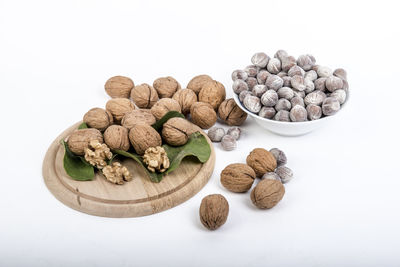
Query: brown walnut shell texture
pixel 144 95
pixel 79 140
pixel 98 118
pixel 118 107
pixel 166 86
pixel 116 137
pixel 230 113
pixel 262 161
pixel 119 87
pixel 267 193
pixel 238 177
pixel 186 98
pixel 197 83
pixel 214 210
pixel 213 93
pixel 163 106
pixel 143 136
pixel 176 131
pixel 203 115
pixel 138 116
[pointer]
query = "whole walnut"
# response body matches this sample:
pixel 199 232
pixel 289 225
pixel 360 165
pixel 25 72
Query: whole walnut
pixel 176 131
pixel 143 136
pixel 166 86
pixel 185 98
pixel 261 161
pixel 203 115
pixel 163 106
pixel 238 177
pixel 138 116
pixel 196 84
pixel 213 93
pixel 144 95
pixel 118 107
pixel 231 113
pixel 116 137
pixel 79 140
pixel 214 210
pixel 98 118
pixel 267 193
pixel 119 86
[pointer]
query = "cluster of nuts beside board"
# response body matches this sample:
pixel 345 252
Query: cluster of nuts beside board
pixel 239 178
pixel 285 89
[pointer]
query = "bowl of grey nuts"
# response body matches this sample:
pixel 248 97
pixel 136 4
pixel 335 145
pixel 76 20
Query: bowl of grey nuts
pixel 290 96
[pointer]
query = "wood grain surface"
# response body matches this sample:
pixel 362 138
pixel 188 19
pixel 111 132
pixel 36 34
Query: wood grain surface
pixel 138 197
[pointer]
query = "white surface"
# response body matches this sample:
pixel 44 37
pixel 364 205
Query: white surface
pixel 342 208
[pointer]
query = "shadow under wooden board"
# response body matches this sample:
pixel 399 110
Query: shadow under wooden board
pixel 138 197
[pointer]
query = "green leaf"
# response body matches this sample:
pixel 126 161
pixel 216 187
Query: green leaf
pixel 76 166
pixel 83 126
pixel 197 146
pixel 154 177
pixel 171 114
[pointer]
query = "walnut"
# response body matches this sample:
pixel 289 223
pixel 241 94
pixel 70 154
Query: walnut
pixel 230 113
pixel 163 106
pixel 238 177
pixel 261 161
pixel 185 98
pixel 196 84
pixel 79 140
pixel 203 115
pixel 118 107
pixel 144 95
pixel 176 131
pixel 166 86
pixel 119 87
pixel 213 92
pixel 138 116
pixel 213 211
pixel 117 174
pixel 267 193
pixel 156 159
pixel 97 154
pixel 98 118
pixel 116 137
pixel 143 136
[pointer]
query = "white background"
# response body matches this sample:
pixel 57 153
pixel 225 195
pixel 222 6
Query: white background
pixel 341 209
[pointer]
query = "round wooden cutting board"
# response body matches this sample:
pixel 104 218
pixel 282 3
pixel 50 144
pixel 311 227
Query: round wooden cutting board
pixel 138 197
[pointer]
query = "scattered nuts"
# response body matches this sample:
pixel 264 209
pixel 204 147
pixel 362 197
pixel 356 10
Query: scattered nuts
pixel 238 177
pixel 213 93
pixel 79 140
pixel 216 133
pixel 279 155
pixel 228 143
pixel 138 116
pixel 164 105
pixel 203 115
pixel 143 136
pixel 98 118
pixel 234 132
pixel 116 137
pixel 284 173
pixel 176 131
pixel 214 210
pixel 231 113
pixel 118 107
pixel 198 82
pixel 261 161
pixel 267 193
pixel 166 86
pixel 185 98
pixel 144 95
pixel 119 87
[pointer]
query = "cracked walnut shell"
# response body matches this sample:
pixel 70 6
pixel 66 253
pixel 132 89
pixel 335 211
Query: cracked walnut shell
pixel 230 113
pixel 262 161
pixel 138 116
pixel 267 193
pixel 119 86
pixel 156 159
pixel 163 106
pixel 185 98
pixel 176 131
pixel 197 83
pixel 213 92
pixel 166 86
pixel 143 136
pixel 203 115
pixel 238 177
pixel 118 107
pixel 79 140
pixel 116 137
pixel 98 118
pixel 144 95
pixel 214 210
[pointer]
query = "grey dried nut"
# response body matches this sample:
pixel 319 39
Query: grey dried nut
pixel 298 114
pixel 309 86
pixel 282 74
pixel 163 106
pixel 143 136
pixel 138 116
pixel 251 82
pixel 243 94
pixel 98 118
pixel 340 95
pixel 176 131
pixel 239 74
pixel 203 115
pixel 116 137
pixel 301 94
pixel 269 98
pixel 144 95
pixel 166 86
pixel 118 107
pixel 311 75
pixel 259 90
pixel 252 103
pixel 306 62
pixel 271 176
pixel 345 86
pixel 315 98
pixel 284 173
pixel 228 143
pixel 341 73
pixel 185 98
pixel 298 83
pixel 267 112
pixel 297 100
pixel 216 133
pixel 274 66
pixel 234 132
pixel 231 113
pixel 286 92
pixel 119 87
pixel 320 84
pixel 333 83
pixel 324 72
pixel 282 115
pixel 213 211
pixel 287 63
pixel 330 106
pixel 196 84
pixel 262 76
pixel 314 112
pixel 239 86
pixel 281 54
pixel 251 71
pixel 274 82
pixel 79 140
pixel 287 81
pixel 283 104
pixel 260 59
pixel 267 193
pixel 279 155
pixel 237 177
pixel 296 70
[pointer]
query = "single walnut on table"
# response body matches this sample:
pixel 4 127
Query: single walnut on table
pixel 238 177
pixel 144 95
pixel 98 118
pixel 230 113
pixel 267 193
pixel 176 131
pixel 166 86
pixel 156 159
pixel 79 140
pixel 119 87
pixel 261 161
pixel 214 210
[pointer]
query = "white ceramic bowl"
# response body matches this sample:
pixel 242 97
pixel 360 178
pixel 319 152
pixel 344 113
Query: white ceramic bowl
pixel 288 128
